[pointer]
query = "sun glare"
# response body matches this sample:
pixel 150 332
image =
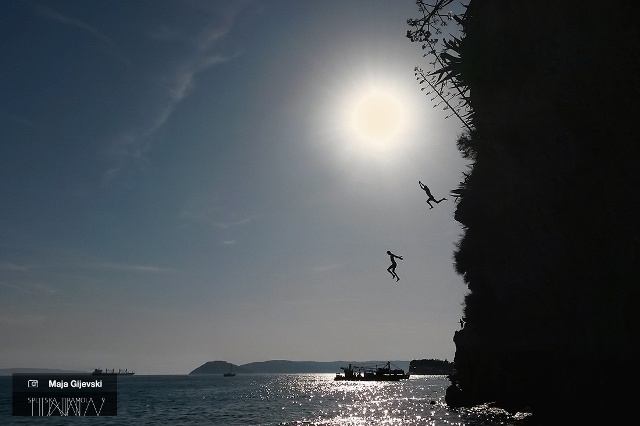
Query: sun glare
pixel 373 120
pixel 367 113
pixel 376 117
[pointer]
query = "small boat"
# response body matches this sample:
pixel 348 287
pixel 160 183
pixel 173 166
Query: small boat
pixel 371 372
pixel 230 373
pixel 113 372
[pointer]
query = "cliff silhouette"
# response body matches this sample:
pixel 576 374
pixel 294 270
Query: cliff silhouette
pixel 549 208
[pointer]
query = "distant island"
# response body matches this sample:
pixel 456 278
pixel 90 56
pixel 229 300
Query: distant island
pixel 430 366
pixel 424 366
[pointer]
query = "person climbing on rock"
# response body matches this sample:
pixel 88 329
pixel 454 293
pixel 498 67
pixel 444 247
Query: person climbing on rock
pixel 431 197
pixel 392 269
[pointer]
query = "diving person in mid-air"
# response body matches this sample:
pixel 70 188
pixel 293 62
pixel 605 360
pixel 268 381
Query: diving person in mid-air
pixel 431 197
pixel 392 269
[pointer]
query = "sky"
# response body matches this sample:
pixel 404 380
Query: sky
pixel 186 181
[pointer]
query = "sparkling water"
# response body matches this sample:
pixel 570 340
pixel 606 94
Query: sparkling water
pixel 275 399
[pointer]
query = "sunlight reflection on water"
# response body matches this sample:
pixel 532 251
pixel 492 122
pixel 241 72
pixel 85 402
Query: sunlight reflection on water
pixel 318 400
pixel 279 400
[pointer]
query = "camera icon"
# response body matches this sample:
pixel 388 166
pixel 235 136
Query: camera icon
pixel 32 383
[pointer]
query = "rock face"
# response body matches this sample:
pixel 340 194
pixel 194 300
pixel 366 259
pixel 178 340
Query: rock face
pixel 550 252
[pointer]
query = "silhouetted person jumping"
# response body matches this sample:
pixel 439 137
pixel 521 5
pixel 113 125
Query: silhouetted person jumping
pixel 392 269
pixel 431 197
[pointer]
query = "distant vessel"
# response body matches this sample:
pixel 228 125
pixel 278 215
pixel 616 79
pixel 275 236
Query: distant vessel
pixel 230 373
pixel 98 372
pixel 370 372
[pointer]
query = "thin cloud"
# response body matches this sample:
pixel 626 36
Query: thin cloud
pixel 183 81
pixel 31 288
pixel 131 147
pixel 227 225
pixel 208 209
pixel 223 15
pixel 133 144
pixel 54 16
pixel 134 268
pixel 58 17
pixel 6 266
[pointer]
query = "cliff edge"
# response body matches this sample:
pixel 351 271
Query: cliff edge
pixel 549 209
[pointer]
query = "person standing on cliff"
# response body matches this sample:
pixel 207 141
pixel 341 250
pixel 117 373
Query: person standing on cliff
pixel 431 197
pixel 392 269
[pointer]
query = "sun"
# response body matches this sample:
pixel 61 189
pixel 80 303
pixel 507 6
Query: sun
pixel 366 115
pixel 374 119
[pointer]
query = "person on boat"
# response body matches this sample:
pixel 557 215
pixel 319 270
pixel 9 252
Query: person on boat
pixel 431 197
pixel 392 269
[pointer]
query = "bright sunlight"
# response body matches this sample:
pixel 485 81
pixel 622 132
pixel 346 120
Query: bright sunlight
pixel 373 120
pixel 370 115
pixel 376 117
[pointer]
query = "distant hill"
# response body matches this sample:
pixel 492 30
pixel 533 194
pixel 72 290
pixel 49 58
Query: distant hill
pixel 286 367
pixel 10 371
pixel 219 367
pixel 430 366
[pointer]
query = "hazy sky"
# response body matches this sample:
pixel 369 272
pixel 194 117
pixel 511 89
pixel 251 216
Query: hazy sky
pixel 186 181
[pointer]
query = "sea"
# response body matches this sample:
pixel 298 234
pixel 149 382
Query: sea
pixel 275 399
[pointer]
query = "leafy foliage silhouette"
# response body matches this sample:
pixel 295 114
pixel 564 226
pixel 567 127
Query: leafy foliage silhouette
pixel 551 241
pixel 445 83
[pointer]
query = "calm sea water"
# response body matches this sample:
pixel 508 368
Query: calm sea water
pixel 275 399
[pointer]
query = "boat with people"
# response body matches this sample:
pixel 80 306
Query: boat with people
pixel 113 372
pixel 372 372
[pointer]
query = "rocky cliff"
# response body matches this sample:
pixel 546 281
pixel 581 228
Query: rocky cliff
pixel 550 247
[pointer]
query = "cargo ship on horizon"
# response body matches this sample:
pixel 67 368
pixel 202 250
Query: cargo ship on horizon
pixel 113 372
